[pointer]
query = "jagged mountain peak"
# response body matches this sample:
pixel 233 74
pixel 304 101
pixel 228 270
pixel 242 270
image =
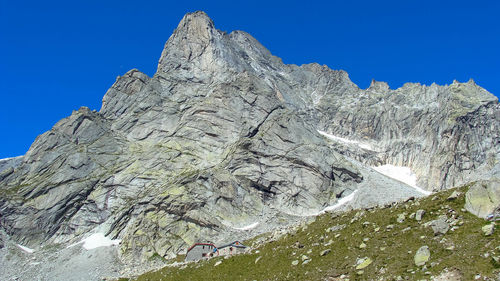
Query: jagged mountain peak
pixel 201 53
pixel 195 20
pixel 194 28
pixel 193 40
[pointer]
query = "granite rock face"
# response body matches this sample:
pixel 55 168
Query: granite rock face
pixel 448 135
pixel 225 135
pixel 8 165
pixel 203 148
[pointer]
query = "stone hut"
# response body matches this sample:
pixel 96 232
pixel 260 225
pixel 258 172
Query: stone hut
pixel 235 247
pixel 200 251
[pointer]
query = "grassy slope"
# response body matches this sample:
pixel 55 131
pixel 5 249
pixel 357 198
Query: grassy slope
pixel 392 251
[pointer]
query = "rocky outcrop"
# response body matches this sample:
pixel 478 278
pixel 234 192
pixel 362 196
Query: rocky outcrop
pixel 225 135
pixel 483 198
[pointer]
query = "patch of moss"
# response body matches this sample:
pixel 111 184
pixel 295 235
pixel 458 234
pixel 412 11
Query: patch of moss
pixel 156 256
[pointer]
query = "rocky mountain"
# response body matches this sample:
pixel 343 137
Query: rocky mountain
pixel 225 136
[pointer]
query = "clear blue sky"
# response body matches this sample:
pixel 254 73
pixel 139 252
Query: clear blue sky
pixel 56 56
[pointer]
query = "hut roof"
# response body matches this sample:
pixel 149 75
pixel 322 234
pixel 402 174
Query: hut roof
pixel 202 244
pixel 236 244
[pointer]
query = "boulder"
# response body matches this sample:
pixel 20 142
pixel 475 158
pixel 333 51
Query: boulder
pixel 363 263
pixel 419 214
pixel 454 195
pixel 325 252
pixel 422 256
pixel 401 218
pixel 488 229
pixel 440 225
pixel 483 198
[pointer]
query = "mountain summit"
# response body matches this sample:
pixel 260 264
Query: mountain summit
pixel 225 136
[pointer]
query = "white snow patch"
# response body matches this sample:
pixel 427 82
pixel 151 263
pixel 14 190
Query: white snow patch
pixel 26 249
pixel 347 141
pixel 248 227
pixel 5 159
pixel 403 174
pixel 342 201
pixel 97 240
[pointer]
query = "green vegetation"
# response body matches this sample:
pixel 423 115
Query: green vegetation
pixel 391 246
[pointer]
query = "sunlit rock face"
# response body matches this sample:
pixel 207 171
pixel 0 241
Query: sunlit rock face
pixel 448 135
pixel 224 136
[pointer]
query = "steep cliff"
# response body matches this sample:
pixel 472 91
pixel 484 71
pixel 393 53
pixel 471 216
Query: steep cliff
pixel 199 150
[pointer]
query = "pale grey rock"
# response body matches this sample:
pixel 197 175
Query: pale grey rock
pixel 335 228
pixel 440 225
pixel 325 252
pixel 449 275
pixel 483 198
pixel 454 195
pixel 419 214
pixel 488 229
pixel 401 218
pixel 422 256
pixel 363 263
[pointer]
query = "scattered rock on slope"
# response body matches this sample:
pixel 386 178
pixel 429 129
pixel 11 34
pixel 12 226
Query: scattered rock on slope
pixel 440 225
pixel 488 229
pixel 422 256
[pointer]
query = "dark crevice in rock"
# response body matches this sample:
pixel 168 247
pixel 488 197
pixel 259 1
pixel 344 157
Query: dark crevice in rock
pixel 256 129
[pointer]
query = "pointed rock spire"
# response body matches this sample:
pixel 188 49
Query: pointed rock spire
pixel 197 26
pixel 195 32
pixel 198 52
pixel 378 86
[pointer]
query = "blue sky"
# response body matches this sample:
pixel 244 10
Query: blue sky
pixel 56 56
